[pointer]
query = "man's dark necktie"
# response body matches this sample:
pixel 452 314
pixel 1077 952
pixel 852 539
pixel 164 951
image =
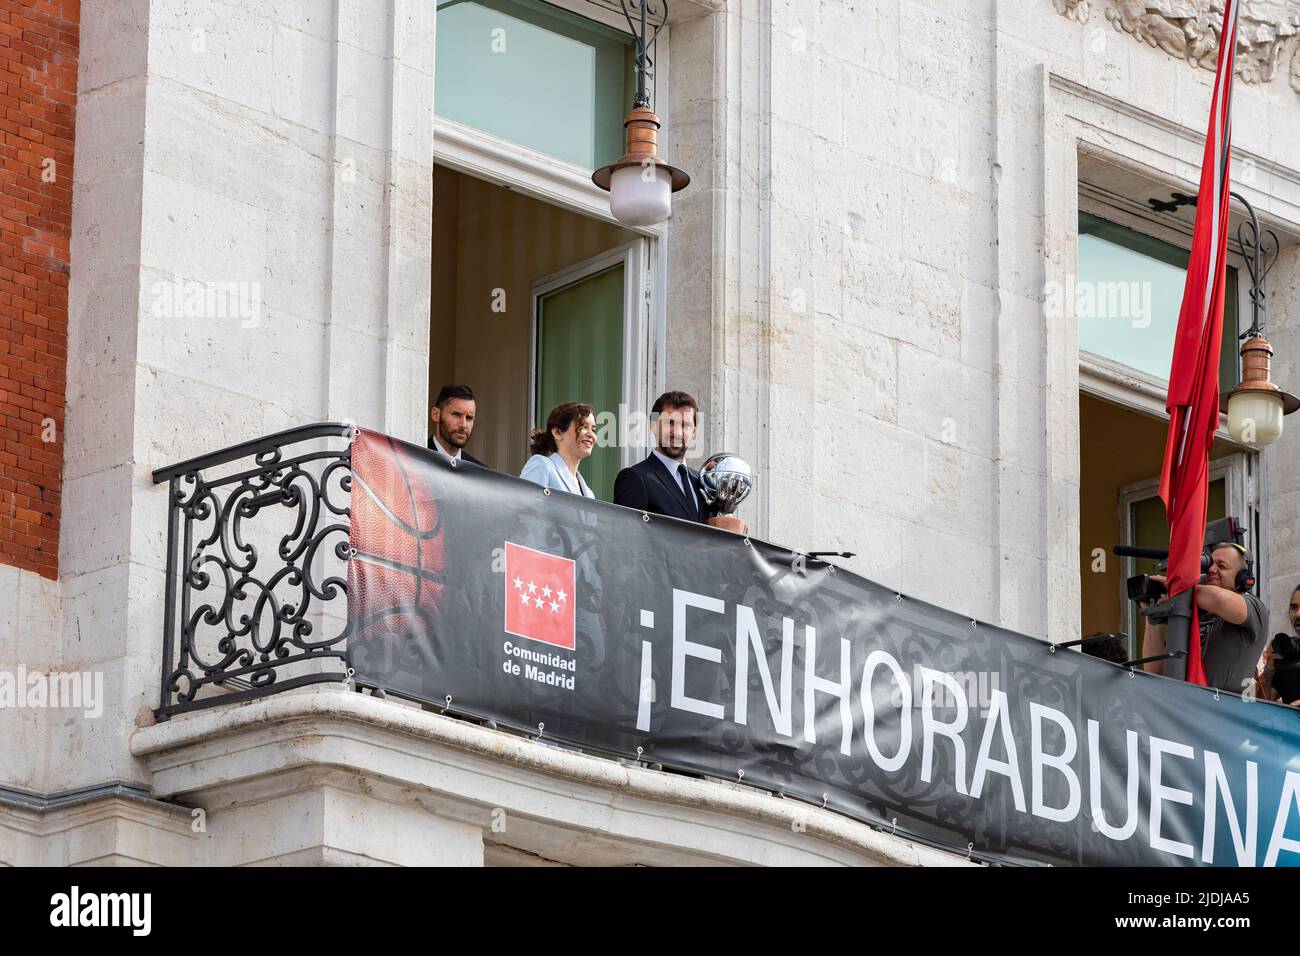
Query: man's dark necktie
pixel 691 509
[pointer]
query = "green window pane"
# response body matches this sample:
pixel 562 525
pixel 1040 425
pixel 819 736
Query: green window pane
pixel 1147 519
pixel 580 359
pixel 1129 291
pixel 536 75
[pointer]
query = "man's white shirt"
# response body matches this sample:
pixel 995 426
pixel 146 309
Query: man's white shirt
pixel 438 445
pixel 677 477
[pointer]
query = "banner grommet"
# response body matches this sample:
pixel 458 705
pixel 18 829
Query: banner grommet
pixel 645 517
pixel 546 491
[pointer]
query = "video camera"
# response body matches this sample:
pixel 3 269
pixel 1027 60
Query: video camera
pixel 1286 672
pixel 1141 588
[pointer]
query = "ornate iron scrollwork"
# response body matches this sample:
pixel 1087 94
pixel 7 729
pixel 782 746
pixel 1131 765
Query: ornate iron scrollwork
pixel 256 598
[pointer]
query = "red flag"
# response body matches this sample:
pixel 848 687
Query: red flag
pixel 1193 400
pixel 539 596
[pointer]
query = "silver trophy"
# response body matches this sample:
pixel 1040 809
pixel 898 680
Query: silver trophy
pixel 727 480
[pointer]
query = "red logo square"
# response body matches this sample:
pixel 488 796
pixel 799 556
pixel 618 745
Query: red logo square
pixel 539 596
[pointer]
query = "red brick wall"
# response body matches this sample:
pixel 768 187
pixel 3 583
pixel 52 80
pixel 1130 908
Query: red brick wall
pixel 38 98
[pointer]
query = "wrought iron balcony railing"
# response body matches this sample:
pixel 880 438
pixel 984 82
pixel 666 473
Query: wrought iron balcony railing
pixel 257 544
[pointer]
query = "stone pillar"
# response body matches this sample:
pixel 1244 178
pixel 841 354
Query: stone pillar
pixel 1280 462
pixel 719 344
pixel 250 252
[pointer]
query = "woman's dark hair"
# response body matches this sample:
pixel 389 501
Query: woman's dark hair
pixel 1109 647
pixel 541 441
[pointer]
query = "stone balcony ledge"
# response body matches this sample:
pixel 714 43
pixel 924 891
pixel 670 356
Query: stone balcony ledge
pixel 330 776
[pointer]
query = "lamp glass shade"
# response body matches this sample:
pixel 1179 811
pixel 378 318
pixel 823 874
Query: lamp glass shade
pixel 1255 418
pixel 640 195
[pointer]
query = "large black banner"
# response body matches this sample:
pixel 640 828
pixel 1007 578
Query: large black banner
pixel 703 651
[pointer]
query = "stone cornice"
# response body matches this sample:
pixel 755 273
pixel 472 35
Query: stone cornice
pixel 329 730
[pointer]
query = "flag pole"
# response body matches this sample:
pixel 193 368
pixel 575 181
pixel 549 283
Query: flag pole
pixel 1193 396
pixel 1177 634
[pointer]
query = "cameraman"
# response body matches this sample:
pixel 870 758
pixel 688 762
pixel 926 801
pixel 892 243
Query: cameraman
pixel 1233 622
pixel 1265 689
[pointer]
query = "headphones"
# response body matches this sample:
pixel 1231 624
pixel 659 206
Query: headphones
pixel 1245 579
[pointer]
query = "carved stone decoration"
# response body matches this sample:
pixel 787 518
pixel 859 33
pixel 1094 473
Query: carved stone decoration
pixel 1189 29
pixel 1074 9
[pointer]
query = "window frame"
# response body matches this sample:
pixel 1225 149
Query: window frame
pixel 639 332
pixel 1130 388
pixel 1122 384
pixel 1238 499
pixel 548 178
pixel 559 183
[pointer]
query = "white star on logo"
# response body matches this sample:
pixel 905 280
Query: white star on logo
pixel 518 584
pixel 532 588
pixel 539 601
pixel 546 592
pixel 554 607
pixel 561 595
pixel 524 598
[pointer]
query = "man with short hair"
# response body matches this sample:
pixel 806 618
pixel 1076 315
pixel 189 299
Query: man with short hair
pixel 663 484
pixel 1233 622
pixel 452 415
pixel 1264 674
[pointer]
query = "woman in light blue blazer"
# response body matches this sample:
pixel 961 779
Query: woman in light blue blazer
pixel 558 449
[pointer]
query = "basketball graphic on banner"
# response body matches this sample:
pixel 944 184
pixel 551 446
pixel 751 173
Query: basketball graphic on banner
pixel 398 521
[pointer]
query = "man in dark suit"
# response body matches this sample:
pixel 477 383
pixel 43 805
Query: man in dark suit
pixel 452 415
pixel 663 484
